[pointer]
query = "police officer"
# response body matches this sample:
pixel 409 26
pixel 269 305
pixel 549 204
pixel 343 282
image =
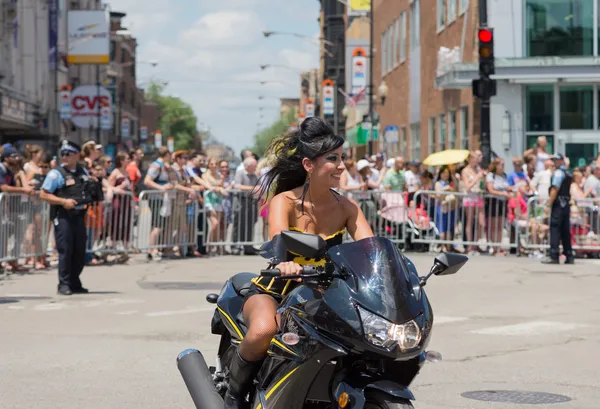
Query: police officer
pixel 560 212
pixel 66 188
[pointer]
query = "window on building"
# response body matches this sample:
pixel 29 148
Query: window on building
pixel 403 36
pixel 441 14
pixel 383 56
pixel 442 141
pixel 576 107
pixel 402 143
pixel 452 124
pixel 463 5
pixel 415 24
pixel 396 42
pixel 464 128
pixel 123 55
pixel 431 135
pixel 415 141
pixel 113 50
pixel 390 46
pixel 559 27
pixel 539 102
pixel 451 10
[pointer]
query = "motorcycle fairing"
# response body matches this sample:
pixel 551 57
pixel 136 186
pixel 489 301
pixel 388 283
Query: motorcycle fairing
pixel 289 387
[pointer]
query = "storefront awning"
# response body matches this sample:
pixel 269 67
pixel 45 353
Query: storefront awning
pixel 525 71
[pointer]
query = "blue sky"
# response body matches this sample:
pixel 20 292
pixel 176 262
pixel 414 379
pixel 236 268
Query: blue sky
pixel 210 52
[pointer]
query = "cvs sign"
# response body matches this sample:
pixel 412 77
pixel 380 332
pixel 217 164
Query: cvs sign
pixel 87 103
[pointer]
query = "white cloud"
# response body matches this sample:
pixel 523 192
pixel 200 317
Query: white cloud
pixel 223 29
pixel 210 54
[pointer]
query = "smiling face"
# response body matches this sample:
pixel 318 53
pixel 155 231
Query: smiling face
pixel 327 169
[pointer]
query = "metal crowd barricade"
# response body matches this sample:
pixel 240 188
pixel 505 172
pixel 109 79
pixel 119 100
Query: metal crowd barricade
pixel 24 226
pixel 167 219
pixel 465 220
pixel 584 220
pixel 110 224
pixel 233 222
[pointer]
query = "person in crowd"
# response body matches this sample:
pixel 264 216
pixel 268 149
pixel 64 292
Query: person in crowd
pixel 10 159
pixel 496 206
pixel 542 180
pixel 394 178
pixel 157 178
pixel 65 190
pixel 94 218
pixel 246 153
pixel 541 153
pixel 411 177
pixel 559 206
pixel 33 153
pixel 445 217
pixel 90 151
pixel 518 175
pixel 472 177
pixel 213 202
pixel 368 178
pixel 245 218
pixel 122 206
pixel 592 183
pixel 350 179
pixel 185 202
pixel 134 172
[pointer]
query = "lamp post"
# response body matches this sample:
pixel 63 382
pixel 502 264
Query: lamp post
pixel 268 34
pixel 371 48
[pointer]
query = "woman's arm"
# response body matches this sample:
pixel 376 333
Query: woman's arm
pixel 356 223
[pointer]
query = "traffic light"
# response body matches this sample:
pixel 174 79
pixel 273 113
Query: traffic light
pixel 485 87
pixel 486 52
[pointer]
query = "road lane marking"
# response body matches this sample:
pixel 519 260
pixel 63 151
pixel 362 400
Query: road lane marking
pixel 529 328
pixel 50 307
pixel 127 312
pixel 440 319
pixel 16 307
pixel 21 295
pixel 176 312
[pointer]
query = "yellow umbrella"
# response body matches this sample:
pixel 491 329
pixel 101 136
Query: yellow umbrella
pixel 447 157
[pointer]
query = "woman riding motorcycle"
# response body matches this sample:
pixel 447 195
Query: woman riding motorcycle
pixel 308 166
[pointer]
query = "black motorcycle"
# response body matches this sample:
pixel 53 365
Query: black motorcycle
pixel 353 334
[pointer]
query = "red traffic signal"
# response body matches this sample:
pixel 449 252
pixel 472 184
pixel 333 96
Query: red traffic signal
pixel 485 35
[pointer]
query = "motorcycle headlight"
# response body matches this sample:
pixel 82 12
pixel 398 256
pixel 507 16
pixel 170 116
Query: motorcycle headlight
pixel 383 333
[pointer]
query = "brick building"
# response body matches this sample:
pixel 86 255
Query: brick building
pixel 417 118
pixel 546 69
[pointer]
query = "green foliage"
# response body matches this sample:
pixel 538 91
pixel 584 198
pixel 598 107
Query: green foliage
pixel 177 118
pixel 263 138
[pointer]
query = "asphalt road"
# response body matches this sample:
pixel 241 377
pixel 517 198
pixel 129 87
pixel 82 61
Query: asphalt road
pixel 502 324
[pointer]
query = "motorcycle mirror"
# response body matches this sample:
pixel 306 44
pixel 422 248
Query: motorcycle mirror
pixel 448 263
pixel 305 244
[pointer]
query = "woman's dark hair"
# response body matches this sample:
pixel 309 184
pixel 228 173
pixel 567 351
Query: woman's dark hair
pixel 442 170
pixel 314 138
pixel 46 158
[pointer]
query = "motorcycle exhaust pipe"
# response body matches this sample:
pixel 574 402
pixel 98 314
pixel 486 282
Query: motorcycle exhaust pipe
pixel 199 381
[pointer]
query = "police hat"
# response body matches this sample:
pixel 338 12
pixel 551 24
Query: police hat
pixel 68 146
pixel 558 156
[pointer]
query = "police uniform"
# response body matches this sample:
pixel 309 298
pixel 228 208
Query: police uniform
pixel 560 214
pixel 69 226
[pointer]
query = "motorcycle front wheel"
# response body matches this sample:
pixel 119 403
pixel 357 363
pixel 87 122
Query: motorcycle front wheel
pixel 378 400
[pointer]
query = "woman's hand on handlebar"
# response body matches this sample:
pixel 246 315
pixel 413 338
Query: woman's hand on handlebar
pixel 289 268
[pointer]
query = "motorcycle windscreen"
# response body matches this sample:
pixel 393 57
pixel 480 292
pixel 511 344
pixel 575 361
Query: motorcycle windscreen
pixel 381 281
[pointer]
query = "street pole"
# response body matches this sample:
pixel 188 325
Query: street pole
pixel 485 102
pixel 371 48
pixel 98 102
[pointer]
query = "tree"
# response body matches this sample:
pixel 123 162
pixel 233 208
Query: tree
pixel 263 139
pixel 177 118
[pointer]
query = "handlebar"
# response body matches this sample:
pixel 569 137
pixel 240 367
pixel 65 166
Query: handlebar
pixel 306 271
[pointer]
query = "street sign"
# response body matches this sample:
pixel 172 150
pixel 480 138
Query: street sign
pixel 328 97
pixel 65 102
pixel 125 126
pixel 157 139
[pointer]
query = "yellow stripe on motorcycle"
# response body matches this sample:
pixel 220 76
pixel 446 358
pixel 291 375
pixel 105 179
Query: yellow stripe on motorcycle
pixel 277 385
